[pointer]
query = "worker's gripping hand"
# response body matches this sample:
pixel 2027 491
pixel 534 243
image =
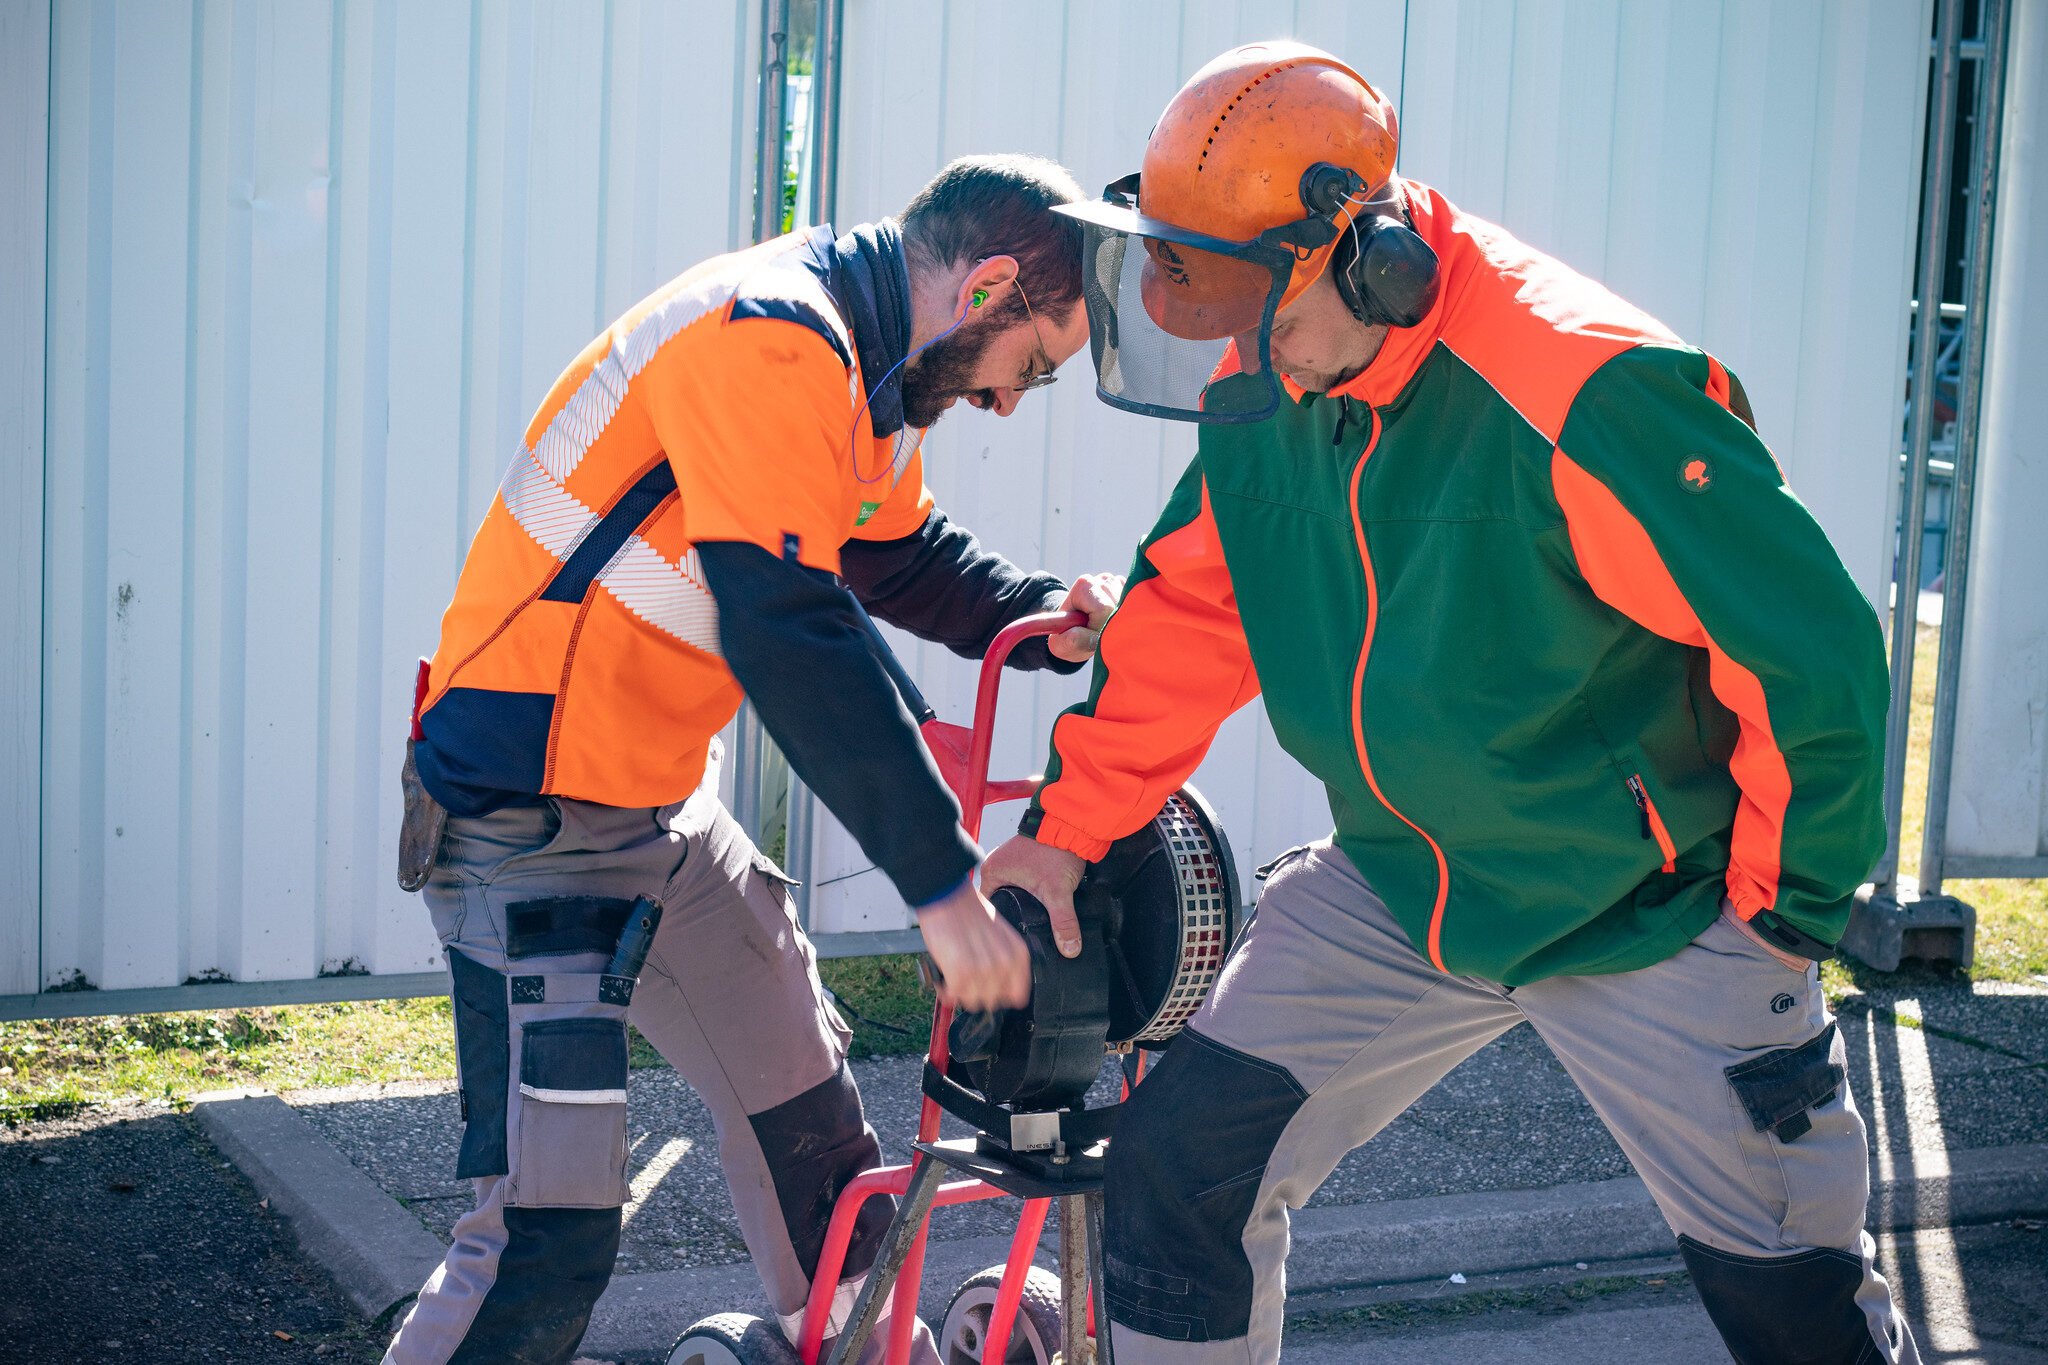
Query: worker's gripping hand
pixel 1097 594
pixel 983 964
pixel 1050 874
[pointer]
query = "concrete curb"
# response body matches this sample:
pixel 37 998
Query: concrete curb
pixel 378 1252
pixel 1347 1246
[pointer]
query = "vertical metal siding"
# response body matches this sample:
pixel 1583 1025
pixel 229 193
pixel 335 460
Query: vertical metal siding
pixel 1743 170
pixel 1998 800
pixel 311 268
pixel 1066 482
pixel 24 184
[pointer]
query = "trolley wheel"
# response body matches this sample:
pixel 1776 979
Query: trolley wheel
pixel 1034 1340
pixel 733 1339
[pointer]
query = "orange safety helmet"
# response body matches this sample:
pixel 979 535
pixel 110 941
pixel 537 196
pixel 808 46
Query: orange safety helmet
pixel 1230 156
pixel 1271 166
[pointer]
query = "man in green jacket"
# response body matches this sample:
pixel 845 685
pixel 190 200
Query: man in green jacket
pixel 1596 703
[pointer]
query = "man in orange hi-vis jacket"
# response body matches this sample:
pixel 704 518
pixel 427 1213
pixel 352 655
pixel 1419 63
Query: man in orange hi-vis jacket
pixel 700 508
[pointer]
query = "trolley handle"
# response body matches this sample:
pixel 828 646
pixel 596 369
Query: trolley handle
pixel 1007 639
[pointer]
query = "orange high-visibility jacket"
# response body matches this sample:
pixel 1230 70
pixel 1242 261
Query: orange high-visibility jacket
pixel 580 655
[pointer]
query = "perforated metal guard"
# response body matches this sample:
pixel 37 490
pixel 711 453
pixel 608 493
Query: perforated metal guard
pixel 1204 918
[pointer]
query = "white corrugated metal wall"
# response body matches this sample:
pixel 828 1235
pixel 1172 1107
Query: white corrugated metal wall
pixel 24 181
pixel 1745 171
pixel 311 267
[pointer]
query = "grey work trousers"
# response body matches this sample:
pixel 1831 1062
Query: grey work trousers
pixel 1326 1023
pixel 731 998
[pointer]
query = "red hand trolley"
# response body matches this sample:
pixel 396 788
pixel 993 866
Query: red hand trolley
pixel 1016 1314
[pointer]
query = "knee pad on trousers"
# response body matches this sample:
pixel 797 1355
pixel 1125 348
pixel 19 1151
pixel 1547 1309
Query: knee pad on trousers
pixel 555 1264
pixel 1184 1170
pixel 814 1144
pixel 1796 1309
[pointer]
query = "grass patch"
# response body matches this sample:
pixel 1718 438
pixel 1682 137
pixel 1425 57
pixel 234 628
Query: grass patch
pixel 55 1068
pixel 49 1068
pixel 884 1001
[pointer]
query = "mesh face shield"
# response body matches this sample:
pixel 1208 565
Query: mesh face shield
pixel 1165 303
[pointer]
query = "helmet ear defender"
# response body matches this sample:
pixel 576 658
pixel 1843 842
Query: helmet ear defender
pixel 1385 273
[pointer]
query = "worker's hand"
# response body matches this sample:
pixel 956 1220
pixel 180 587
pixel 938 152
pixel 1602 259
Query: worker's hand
pixel 982 961
pixel 1097 594
pixel 1050 874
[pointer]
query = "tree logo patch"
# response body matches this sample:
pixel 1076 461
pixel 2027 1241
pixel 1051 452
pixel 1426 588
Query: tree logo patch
pixel 1695 475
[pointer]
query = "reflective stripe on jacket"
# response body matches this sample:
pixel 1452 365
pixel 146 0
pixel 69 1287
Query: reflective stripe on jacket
pixel 580 656
pixel 1537 606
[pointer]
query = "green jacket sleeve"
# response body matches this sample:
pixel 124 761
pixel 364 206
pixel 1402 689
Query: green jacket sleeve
pixel 1680 518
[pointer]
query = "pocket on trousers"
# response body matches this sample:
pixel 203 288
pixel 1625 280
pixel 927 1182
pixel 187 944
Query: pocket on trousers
pixel 483 1059
pixel 1779 1088
pixel 572 1114
pixel 777 882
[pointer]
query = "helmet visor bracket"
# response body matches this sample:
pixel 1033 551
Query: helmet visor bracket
pixel 1164 303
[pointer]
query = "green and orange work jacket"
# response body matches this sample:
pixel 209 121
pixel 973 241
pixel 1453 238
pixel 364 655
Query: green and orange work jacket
pixel 1537 607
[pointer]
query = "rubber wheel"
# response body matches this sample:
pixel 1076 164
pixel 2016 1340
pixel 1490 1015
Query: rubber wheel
pixel 1034 1340
pixel 733 1339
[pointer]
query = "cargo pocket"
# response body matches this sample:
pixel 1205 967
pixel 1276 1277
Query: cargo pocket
pixel 1289 856
pixel 777 882
pixel 572 1111
pixel 1778 1088
pixel 483 1051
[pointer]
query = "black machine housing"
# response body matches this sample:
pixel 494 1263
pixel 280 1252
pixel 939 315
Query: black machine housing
pixel 1158 914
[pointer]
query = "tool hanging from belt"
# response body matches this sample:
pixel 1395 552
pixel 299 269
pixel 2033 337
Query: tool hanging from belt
pixel 419 834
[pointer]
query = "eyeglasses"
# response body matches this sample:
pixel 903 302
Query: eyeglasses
pixel 1040 380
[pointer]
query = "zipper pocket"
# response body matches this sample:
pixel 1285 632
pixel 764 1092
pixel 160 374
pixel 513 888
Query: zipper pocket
pixel 1653 824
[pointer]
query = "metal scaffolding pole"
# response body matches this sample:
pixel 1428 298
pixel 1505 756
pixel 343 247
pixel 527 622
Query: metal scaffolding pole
pixel 825 72
pixel 1969 428
pixel 773 119
pixel 800 811
pixel 1896 917
pixel 1926 343
pixel 750 741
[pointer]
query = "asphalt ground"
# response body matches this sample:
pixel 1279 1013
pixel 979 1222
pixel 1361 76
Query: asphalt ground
pixel 1967 1068
pixel 128 1238
pixel 137 1242
pixel 1973 1296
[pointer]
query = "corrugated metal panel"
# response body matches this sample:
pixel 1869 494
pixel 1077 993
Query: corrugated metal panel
pixel 24 180
pixel 1065 482
pixel 311 268
pixel 1745 171
pixel 1998 797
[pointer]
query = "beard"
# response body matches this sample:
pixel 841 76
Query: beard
pixel 942 371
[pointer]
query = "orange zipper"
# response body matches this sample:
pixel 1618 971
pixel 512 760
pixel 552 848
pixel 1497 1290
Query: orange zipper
pixel 1372 616
pixel 1653 823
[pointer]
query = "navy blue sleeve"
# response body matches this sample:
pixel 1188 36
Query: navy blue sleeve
pixel 794 639
pixel 940 585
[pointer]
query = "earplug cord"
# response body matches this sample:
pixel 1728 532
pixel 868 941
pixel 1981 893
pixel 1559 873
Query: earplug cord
pixel 853 431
